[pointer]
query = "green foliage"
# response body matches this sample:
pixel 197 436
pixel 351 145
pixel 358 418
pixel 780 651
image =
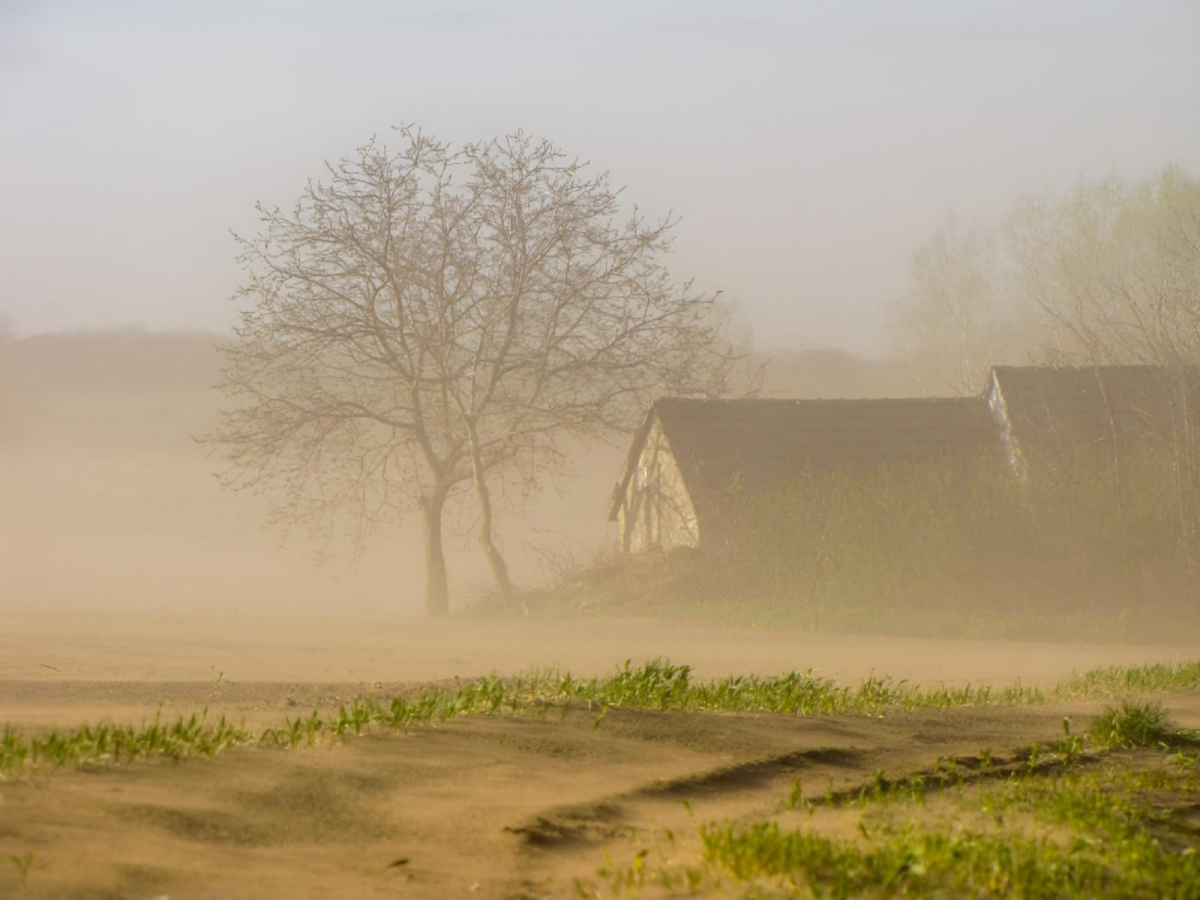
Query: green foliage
pixel 1112 681
pixel 117 744
pixel 1132 724
pixel 1103 830
pixel 1104 803
pixel 919 862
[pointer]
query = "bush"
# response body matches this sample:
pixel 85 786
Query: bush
pixel 1132 725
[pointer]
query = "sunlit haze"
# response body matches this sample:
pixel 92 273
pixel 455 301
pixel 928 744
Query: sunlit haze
pixel 809 147
pixel 443 545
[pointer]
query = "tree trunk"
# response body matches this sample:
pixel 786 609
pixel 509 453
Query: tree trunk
pixel 487 535
pixel 437 592
pixel 487 543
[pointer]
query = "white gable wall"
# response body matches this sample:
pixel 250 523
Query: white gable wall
pixel 656 512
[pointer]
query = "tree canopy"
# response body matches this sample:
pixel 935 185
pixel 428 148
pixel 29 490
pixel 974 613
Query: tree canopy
pixel 1108 272
pixel 427 320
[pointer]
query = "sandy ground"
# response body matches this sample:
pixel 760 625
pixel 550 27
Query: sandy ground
pixel 507 808
pixel 65 669
pixel 131 583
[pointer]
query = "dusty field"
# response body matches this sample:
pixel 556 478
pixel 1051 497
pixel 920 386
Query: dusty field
pixel 131 584
pixel 490 807
pixel 501 808
pixel 64 669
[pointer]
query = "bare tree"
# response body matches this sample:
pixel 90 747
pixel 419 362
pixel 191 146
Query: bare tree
pixel 957 319
pixel 426 321
pixel 1116 269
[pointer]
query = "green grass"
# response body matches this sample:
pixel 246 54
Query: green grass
pixel 919 862
pixel 1112 841
pixel 117 744
pixel 1113 681
pixel 656 685
pixel 1110 823
pixel 1132 725
pixel 22 864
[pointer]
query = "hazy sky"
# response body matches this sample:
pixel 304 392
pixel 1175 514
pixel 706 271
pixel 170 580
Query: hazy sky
pixel 808 146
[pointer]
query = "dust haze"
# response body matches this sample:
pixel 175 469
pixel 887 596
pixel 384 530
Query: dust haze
pixel 136 589
pixel 789 482
pixel 126 559
pixel 113 505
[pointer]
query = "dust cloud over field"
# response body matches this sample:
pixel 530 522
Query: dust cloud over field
pixel 134 587
pixel 125 560
pixel 132 579
pixel 110 504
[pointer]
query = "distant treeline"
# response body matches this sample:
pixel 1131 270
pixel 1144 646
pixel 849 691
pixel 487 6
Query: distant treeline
pixel 136 360
pixel 124 360
pixel 834 374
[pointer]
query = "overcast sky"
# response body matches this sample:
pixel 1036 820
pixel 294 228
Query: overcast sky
pixel 809 147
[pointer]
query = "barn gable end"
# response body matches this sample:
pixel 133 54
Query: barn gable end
pixel 651 503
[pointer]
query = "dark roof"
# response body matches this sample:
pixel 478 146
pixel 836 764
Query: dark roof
pixel 759 445
pixel 763 444
pixel 1072 406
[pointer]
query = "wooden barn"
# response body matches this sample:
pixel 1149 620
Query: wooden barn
pixel 692 460
pixel 1057 415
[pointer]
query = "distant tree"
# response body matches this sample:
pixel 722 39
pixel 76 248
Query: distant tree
pixel 427 322
pixel 959 315
pixel 1115 267
pixel 1107 272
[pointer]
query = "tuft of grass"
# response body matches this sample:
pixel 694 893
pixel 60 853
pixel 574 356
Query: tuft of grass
pixel 1132 724
pixel 22 864
pixel 117 744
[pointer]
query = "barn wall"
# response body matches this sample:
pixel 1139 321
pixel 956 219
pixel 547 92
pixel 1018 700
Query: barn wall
pixel 657 512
